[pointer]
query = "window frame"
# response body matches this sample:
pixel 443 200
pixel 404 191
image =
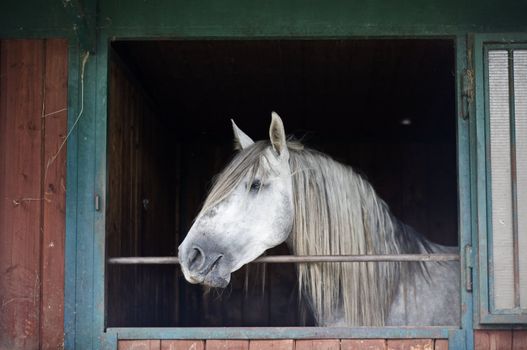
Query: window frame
pixel 486 313
pixel 85 311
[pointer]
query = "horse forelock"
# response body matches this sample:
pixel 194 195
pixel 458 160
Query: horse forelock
pixel 246 162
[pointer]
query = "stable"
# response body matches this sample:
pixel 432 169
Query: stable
pixel 115 118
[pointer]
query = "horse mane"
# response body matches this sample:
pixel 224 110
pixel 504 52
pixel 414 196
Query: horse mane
pixel 336 212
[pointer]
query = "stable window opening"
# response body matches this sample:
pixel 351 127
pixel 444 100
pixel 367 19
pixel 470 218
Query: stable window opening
pixel 384 107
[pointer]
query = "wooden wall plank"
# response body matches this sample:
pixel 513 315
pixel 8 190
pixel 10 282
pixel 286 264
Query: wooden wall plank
pixel 318 344
pixel 410 344
pixel 285 344
pixel 20 192
pixel 492 339
pixel 441 344
pixel 481 340
pixel 363 344
pixel 519 340
pixel 139 345
pixel 182 345
pixel 227 344
pixel 54 171
pixel 33 122
pixel 140 217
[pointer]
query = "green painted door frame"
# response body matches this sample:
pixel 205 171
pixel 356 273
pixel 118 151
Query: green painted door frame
pixel 87 174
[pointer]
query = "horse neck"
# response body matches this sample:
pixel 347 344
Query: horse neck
pixel 337 212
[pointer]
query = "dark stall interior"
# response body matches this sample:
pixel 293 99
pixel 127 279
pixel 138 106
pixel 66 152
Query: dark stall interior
pixel 385 107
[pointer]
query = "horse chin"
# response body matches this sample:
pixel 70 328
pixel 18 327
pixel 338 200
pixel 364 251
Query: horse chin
pixel 216 280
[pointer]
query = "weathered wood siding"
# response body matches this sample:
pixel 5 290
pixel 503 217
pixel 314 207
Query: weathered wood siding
pixel 287 344
pixel 33 122
pixel 500 340
pixel 483 340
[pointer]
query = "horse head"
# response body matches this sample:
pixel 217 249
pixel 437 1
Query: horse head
pixel 248 210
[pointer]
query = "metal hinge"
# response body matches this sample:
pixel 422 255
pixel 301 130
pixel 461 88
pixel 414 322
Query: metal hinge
pixel 467 93
pixel 468 268
pixel 97 202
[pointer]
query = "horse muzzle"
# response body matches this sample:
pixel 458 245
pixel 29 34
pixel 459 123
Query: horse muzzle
pixel 205 267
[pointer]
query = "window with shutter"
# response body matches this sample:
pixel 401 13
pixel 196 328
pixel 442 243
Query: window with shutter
pixel 501 70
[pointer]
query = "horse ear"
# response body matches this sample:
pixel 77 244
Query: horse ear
pixel 277 134
pixel 241 140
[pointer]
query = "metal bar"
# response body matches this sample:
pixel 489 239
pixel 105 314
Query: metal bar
pixel 278 259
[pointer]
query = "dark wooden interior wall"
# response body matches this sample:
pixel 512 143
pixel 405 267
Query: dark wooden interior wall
pixel 140 217
pixel 33 122
pixel 344 97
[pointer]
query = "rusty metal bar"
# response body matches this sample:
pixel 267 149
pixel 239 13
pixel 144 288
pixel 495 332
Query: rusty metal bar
pixel 280 259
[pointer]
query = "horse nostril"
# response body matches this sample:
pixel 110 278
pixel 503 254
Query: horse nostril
pixel 216 261
pixel 196 258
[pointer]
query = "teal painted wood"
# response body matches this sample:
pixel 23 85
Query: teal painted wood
pixel 70 246
pixel 82 14
pixel 34 19
pixel 85 252
pixel 238 18
pixel 486 313
pixel 282 333
pixel 86 157
pixel 465 224
pixel 109 341
pixel 100 150
pixel 457 340
pixel 481 190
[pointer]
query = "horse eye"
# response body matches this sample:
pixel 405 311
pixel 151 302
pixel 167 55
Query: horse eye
pixel 255 186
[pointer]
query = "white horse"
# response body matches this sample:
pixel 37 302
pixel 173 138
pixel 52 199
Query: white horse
pixel 275 191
